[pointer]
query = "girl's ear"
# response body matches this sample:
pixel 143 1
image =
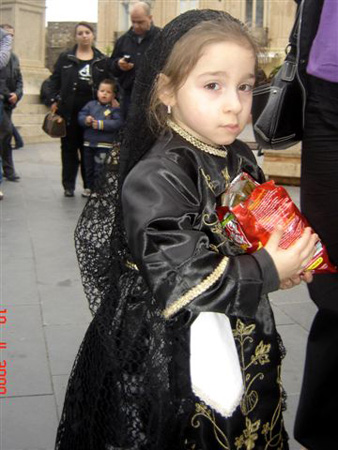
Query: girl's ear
pixel 165 92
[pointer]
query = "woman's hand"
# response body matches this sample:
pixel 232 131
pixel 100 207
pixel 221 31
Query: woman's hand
pixel 54 107
pixel 290 262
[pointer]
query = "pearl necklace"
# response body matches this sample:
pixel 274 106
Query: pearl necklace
pixel 211 149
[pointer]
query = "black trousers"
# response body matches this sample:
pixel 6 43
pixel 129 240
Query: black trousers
pixel 6 133
pixel 72 155
pixel 317 415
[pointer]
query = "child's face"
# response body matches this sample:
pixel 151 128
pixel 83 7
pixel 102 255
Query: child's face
pixel 214 104
pixel 105 94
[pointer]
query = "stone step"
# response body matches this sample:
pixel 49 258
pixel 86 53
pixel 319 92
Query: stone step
pixel 283 166
pixel 28 119
pixel 30 108
pixel 30 98
pixel 27 130
pixel 37 139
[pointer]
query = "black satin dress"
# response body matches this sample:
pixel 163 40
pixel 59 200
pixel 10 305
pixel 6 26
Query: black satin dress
pixel 169 202
pixel 130 385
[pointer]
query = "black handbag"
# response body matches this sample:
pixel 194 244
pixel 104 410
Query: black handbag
pixel 54 125
pixel 278 108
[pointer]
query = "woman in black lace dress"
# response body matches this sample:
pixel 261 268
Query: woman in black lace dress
pixel 152 272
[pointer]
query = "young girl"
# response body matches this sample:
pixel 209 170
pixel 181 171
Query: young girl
pixel 131 388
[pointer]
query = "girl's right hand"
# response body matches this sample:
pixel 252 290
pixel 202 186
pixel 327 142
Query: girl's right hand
pixel 54 107
pixel 290 262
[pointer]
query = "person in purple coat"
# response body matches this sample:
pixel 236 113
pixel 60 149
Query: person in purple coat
pixel 316 419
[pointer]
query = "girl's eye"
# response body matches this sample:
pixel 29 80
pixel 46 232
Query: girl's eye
pixel 213 86
pixel 246 87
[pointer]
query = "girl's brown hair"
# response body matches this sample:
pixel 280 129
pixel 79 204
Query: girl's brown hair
pixel 186 53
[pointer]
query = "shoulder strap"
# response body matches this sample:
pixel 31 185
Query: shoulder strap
pixel 293 38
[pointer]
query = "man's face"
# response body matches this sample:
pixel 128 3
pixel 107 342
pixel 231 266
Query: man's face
pixel 9 30
pixel 140 21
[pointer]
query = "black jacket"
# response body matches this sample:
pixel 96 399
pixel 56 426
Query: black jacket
pixel 11 80
pixel 309 11
pixel 64 80
pixel 128 44
pixel 111 123
pixel 168 194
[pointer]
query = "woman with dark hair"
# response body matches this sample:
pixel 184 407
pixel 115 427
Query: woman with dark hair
pixel 77 74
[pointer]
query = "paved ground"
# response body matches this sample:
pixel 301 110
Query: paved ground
pixel 47 313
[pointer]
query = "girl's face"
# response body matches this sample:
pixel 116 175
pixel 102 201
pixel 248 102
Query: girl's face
pixel 84 36
pixel 105 94
pixel 214 104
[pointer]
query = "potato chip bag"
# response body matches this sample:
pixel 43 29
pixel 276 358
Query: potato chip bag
pixel 250 211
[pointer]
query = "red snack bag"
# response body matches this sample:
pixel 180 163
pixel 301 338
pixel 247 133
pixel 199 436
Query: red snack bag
pixel 249 218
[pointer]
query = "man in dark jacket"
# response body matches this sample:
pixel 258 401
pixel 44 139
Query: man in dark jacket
pixel 12 91
pixel 129 50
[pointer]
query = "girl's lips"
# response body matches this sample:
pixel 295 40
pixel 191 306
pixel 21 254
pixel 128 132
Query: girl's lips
pixel 232 128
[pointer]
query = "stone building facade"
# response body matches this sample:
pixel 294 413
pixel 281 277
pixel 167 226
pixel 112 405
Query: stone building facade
pixel 269 20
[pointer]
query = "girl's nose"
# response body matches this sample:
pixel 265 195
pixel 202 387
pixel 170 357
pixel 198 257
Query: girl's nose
pixel 232 102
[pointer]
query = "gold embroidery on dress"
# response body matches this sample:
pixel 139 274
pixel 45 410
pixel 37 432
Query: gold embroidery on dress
pixel 268 429
pixel 208 181
pixel 131 265
pixel 226 176
pixel 214 248
pixel 249 436
pixel 203 411
pixel 242 334
pixel 215 223
pixel 197 290
pixel 273 438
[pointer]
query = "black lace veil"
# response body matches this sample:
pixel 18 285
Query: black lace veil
pixel 139 136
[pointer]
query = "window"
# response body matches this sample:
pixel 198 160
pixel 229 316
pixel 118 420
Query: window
pixel 254 13
pixel 186 5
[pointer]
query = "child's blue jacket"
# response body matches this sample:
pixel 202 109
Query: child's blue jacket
pixel 110 123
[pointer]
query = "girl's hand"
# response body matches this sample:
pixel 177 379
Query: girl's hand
pixel 290 262
pixel 95 124
pixel 307 277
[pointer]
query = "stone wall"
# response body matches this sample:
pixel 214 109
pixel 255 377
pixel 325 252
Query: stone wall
pixel 59 37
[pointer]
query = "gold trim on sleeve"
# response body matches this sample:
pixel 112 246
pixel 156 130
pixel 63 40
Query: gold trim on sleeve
pixel 131 265
pixel 197 290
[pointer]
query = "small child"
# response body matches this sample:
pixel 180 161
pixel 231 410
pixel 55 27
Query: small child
pixel 101 121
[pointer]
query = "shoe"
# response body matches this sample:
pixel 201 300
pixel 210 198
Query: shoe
pixel 69 193
pixel 14 177
pixel 1 195
pixel 86 193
